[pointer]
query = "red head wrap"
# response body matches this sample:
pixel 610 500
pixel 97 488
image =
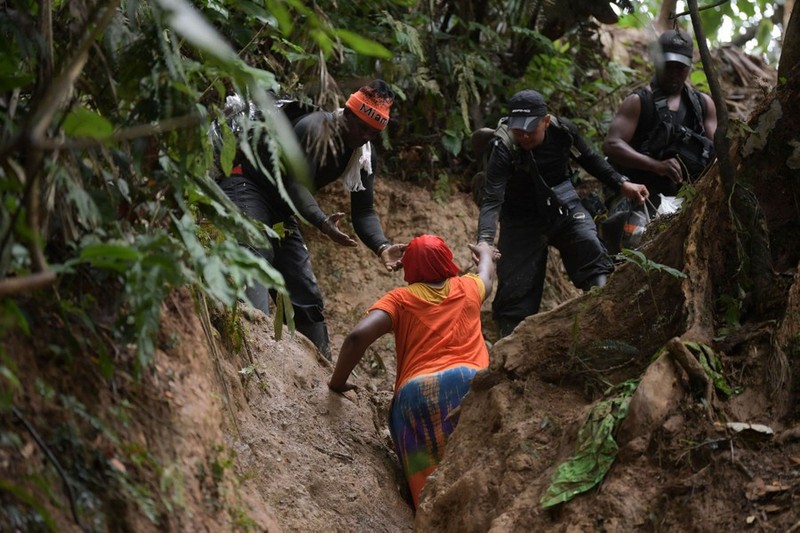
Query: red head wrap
pixel 428 259
pixel 373 111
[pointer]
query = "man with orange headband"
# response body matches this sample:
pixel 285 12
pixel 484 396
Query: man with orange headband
pixel 436 322
pixel 337 145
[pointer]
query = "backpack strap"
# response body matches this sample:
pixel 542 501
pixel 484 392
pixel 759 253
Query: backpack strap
pixel 569 128
pixel 699 107
pixel 504 135
pixel 697 104
pixel 661 105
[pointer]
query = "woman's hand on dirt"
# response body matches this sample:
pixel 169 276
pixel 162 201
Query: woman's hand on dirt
pixel 330 227
pixel 392 256
pixel 341 389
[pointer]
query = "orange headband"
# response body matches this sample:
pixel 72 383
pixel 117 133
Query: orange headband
pixel 372 111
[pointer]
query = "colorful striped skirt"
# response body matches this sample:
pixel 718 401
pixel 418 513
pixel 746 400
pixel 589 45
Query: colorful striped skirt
pixel 418 421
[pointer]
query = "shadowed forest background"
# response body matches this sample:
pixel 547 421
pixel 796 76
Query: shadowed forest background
pixel 138 392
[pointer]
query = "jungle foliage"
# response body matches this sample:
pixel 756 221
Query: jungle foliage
pixel 105 163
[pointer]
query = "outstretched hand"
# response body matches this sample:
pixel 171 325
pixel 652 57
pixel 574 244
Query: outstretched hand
pixel 392 256
pixel 482 248
pixel 330 227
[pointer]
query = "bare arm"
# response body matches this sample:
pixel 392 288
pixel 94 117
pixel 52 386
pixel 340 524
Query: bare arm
pixel 485 255
pixel 618 148
pixel 367 331
pixel 710 119
pixel 620 134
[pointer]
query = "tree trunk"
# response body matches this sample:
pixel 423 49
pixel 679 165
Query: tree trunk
pixel 790 52
pixel 664 22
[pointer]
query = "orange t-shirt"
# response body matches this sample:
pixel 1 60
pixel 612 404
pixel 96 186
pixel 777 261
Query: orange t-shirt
pixel 436 329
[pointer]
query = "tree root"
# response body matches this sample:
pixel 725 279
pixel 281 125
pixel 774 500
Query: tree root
pixel 699 385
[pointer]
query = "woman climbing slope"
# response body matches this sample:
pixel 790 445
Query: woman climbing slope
pixel 439 345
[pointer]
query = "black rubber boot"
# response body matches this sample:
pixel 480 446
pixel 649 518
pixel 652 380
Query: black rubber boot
pixel 506 325
pixel 595 281
pixel 259 297
pixel 317 332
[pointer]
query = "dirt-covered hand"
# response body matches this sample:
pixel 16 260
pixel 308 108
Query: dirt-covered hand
pixel 341 389
pixel 330 227
pixel 392 256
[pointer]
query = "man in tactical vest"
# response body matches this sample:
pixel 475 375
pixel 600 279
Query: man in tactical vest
pixel 663 134
pixel 529 191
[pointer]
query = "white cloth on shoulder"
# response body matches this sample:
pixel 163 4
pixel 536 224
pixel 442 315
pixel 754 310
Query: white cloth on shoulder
pixel 360 160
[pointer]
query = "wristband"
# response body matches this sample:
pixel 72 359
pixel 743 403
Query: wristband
pixel 382 247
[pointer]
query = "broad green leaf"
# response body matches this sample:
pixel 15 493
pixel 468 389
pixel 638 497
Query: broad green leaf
pixel 671 271
pixel 747 7
pixel 216 282
pixel 13 316
pixel 110 253
pixel 699 79
pixel 264 78
pixel 228 151
pixel 452 142
pixel 323 41
pixel 300 7
pixel 14 81
pixel 82 122
pixel 362 45
pixel 254 10
pixel 88 212
pixel 9 376
pixel 282 15
pixel 189 23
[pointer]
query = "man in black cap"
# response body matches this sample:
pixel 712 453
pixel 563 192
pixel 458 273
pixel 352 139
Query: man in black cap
pixel 663 134
pixel 529 190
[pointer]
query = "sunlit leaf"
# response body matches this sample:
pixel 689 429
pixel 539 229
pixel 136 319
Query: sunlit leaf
pixel 747 7
pixel 323 41
pixel 115 257
pixel 228 151
pixel 282 15
pixel 190 24
pixel 82 122
pixel 363 45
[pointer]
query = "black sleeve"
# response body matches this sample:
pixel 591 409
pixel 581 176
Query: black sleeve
pixel 497 173
pixel 362 210
pixel 591 161
pixel 300 193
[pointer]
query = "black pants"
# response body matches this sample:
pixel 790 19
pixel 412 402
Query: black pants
pixel 289 256
pixel 523 263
